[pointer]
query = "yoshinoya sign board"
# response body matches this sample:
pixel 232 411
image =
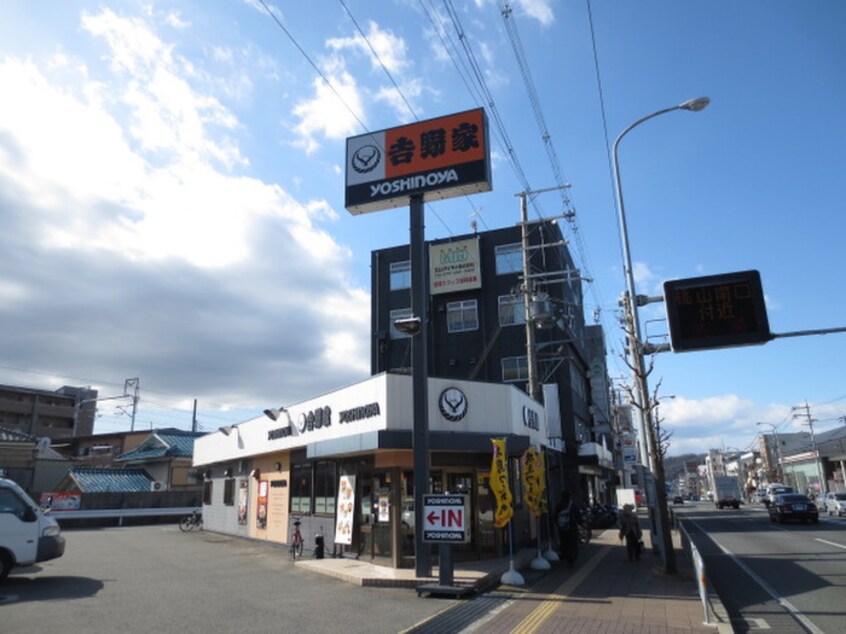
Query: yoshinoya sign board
pixel 437 158
pixel 445 519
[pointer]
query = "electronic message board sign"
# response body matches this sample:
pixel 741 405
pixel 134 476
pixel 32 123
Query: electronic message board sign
pixel 716 311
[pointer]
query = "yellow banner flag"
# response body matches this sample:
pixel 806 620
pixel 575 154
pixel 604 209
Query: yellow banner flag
pixel 532 480
pixel 499 484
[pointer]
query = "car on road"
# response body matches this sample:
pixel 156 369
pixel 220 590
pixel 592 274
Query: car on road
pixel 28 534
pixel 775 489
pixel 678 500
pixel 793 506
pixel 835 504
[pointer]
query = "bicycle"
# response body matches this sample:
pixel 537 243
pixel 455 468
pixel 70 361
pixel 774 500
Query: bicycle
pixel 192 521
pixel 297 542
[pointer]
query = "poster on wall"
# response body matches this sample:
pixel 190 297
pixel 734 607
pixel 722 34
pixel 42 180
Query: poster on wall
pixel 62 501
pixel 243 492
pixel 346 509
pixel 384 508
pixel 261 514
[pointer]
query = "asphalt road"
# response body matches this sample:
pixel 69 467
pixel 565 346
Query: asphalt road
pixel 158 579
pixel 788 578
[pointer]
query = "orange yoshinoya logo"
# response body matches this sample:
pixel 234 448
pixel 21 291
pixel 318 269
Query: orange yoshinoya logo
pixel 434 156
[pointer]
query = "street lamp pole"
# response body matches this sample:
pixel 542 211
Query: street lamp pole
pixel 641 391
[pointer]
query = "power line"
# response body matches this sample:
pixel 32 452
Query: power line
pixel 379 59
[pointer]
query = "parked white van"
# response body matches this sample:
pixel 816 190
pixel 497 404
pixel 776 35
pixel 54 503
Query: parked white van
pixel 27 534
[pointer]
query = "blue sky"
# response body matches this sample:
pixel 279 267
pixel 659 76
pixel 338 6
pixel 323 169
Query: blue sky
pixel 171 187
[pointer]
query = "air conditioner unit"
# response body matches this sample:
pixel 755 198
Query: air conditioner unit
pixel 157 486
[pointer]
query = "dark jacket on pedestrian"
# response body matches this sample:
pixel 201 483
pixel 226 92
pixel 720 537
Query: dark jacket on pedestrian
pixel 630 531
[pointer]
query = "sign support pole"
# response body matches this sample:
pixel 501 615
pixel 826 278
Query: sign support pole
pixel 419 382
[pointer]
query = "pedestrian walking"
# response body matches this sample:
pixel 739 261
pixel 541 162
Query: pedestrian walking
pixel 567 519
pixel 630 531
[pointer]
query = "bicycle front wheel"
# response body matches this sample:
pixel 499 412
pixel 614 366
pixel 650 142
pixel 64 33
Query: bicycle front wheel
pixel 297 549
pixel 186 523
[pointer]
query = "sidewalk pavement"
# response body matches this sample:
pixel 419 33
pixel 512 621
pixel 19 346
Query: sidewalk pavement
pixel 603 593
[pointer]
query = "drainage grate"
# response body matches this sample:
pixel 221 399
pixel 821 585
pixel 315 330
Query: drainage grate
pixel 462 615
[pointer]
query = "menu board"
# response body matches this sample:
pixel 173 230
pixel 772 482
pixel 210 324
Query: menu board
pixel 346 509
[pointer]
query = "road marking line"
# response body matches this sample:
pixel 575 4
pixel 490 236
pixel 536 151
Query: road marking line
pixel 825 541
pixel 540 614
pixel 794 611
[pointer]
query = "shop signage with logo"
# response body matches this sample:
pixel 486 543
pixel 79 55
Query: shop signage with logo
pixel 438 158
pixel 321 417
pixel 445 519
pixel 452 404
pixel 531 418
pixel 454 266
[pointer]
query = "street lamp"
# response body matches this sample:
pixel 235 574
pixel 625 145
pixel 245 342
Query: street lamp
pixel 779 474
pixel 641 393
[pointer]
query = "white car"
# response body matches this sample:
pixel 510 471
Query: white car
pixel 835 504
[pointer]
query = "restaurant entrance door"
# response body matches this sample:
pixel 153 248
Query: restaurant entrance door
pixel 379 512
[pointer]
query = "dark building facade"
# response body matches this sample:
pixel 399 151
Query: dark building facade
pixel 477 326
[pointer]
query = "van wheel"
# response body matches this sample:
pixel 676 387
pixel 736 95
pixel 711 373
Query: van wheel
pixel 5 565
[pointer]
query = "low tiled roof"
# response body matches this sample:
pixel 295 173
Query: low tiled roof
pixel 91 480
pixel 13 435
pixel 44 451
pixel 163 443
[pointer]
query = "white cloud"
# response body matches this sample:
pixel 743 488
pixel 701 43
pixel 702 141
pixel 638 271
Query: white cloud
pixel 326 114
pixel 642 273
pixel 540 10
pixel 390 49
pixel 174 19
pixel 149 247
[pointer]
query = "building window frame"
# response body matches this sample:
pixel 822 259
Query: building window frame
pixel 301 488
pixel 462 316
pixel 515 369
pixel 509 258
pixel 229 492
pixel 325 487
pixel 512 311
pixel 400 275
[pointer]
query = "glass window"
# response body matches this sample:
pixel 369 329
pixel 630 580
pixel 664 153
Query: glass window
pixel 324 487
pixel 229 492
pixel 11 503
pixel 400 275
pixel 301 488
pixel 509 259
pixel 462 316
pixel 515 369
pixel 399 313
pixel 207 492
pixel 511 310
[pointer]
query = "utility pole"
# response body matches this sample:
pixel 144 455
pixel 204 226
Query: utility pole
pixel 805 412
pixel 528 294
pixel 136 383
pixel 533 388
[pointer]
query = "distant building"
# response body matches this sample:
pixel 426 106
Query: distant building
pixel 64 413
